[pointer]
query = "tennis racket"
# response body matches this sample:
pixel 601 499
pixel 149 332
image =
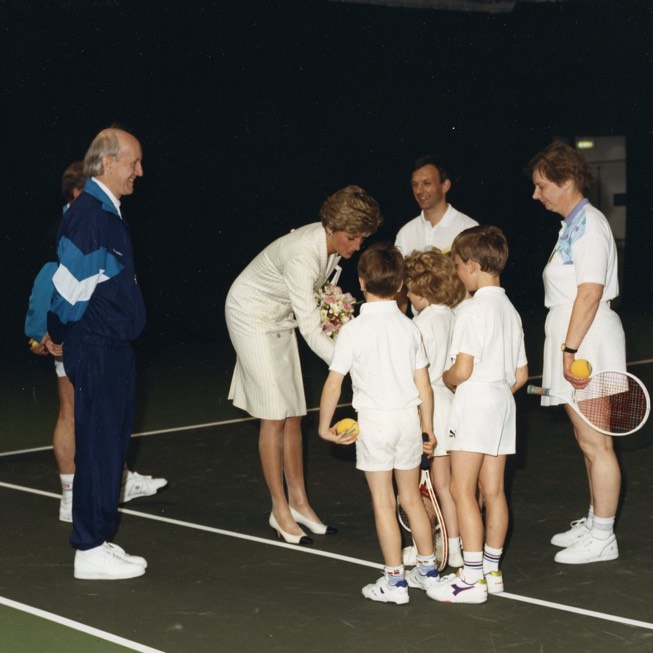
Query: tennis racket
pixel 433 511
pixel 612 403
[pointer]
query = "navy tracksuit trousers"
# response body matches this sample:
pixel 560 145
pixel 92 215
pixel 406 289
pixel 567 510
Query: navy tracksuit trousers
pixel 103 375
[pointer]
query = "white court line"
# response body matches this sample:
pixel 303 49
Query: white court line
pixel 238 420
pixel 358 561
pixel 174 429
pixel 76 625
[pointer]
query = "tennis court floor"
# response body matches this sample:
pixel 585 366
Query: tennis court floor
pixel 218 580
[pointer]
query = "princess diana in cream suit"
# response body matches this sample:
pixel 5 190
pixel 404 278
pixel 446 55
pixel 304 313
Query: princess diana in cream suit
pixel 270 299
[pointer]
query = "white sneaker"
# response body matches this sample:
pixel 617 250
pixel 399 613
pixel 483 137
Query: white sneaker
pixel 409 556
pixel 494 580
pixel 577 530
pixel 120 552
pixel 105 562
pixel 455 559
pixel 66 511
pixel 453 589
pixel 386 593
pixel 136 485
pixel 415 579
pixel 589 549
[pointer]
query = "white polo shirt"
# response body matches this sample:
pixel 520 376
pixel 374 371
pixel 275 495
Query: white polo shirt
pixel 489 329
pixel 419 235
pixel 380 349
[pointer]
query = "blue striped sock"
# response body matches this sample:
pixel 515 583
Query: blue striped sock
pixel 473 567
pixel 491 558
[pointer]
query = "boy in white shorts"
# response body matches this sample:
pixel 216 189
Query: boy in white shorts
pixel 434 289
pixel 489 365
pixel 383 352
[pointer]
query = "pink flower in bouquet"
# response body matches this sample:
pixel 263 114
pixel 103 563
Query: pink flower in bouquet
pixel 336 308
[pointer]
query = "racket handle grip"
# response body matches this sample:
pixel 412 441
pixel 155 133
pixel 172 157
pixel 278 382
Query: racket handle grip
pixel 537 390
pixel 425 463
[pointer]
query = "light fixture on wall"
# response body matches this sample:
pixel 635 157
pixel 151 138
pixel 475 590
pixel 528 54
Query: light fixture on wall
pixel 584 144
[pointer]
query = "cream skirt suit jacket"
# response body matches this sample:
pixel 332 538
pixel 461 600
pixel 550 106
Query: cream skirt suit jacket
pixel 274 295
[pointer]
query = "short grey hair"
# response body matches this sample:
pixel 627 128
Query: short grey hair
pixel 106 143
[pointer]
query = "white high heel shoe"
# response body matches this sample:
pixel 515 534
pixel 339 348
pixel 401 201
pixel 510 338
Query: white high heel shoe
pixel 313 526
pixel 287 537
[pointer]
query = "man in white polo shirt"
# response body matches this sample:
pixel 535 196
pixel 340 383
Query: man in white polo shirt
pixel 439 223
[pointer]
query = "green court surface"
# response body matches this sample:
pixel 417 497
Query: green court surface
pixel 218 580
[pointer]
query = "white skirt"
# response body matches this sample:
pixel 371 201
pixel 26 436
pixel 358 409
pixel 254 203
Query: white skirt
pixel 267 380
pixel 604 346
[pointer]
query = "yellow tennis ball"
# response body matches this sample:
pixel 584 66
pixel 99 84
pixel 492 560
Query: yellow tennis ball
pixel 33 343
pixel 346 424
pixel 581 368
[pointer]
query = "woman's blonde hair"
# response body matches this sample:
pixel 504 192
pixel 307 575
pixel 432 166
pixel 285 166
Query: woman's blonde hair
pixel 352 210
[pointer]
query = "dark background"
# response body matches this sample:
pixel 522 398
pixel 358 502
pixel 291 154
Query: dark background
pixel 251 113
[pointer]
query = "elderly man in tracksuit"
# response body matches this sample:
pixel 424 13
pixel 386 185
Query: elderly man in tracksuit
pixel 95 314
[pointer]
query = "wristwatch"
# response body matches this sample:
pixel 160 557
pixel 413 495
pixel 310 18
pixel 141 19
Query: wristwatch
pixel 568 350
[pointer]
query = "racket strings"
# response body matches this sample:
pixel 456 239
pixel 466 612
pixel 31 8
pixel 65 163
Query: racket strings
pixel 614 402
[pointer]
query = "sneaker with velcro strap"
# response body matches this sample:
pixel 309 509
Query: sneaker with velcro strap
pixel 385 593
pixel 422 581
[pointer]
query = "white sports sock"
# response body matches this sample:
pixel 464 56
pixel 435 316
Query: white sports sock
pixel 590 517
pixel 395 575
pixel 426 564
pixel 602 527
pixel 473 568
pixel 67 487
pixel 453 544
pixel 491 558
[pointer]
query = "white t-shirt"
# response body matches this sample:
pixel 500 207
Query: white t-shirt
pixel 489 328
pixel 585 253
pixel 419 235
pixel 380 349
pixel 435 323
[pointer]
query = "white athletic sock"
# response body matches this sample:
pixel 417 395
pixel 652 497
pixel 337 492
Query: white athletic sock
pixel 426 565
pixel 453 544
pixel 491 558
pixel 395 575
pixel 590 518
pixel 473 567
pixel 67 487
pixel 602 527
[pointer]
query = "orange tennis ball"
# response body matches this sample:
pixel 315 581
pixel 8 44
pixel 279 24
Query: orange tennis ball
pixel 581 368
pixel 346 424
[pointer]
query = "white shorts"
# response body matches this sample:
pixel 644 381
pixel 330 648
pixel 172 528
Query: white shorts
pixel 442 400
pixel 483 419
pixel 604 346
pixel 389 439
pixel 58 367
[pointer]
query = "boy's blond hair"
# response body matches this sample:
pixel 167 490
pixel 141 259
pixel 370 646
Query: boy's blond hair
pixel 432 275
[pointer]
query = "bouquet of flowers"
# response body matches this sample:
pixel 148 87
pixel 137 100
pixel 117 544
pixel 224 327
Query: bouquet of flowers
pixel 336 308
